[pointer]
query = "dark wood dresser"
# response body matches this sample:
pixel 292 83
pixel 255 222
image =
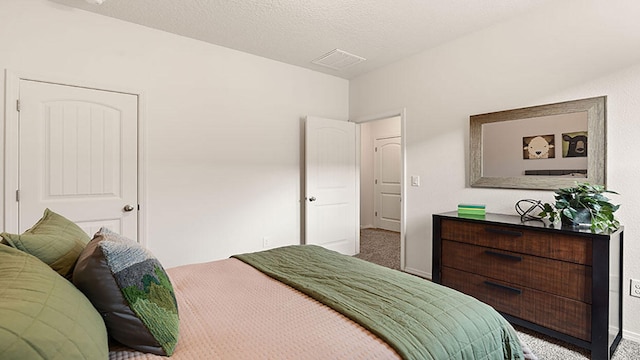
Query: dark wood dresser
pixel 563 282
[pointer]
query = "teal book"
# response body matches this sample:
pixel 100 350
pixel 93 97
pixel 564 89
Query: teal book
pixel 471 206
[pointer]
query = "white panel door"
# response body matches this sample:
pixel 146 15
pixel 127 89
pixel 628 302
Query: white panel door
pixel 331 196
pixel 78 156
pixel 387 169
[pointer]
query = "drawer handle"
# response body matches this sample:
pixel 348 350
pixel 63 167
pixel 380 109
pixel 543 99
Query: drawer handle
pixel 504 287
pixel 503 232
pixel 506 256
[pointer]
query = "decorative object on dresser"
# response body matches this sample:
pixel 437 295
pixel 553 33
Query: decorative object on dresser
pixel 529 209
pixel 583 205
pixel 564 282
pixel 473 210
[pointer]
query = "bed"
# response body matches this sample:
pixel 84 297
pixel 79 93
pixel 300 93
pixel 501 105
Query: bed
pixel 293 302
pixel 233 310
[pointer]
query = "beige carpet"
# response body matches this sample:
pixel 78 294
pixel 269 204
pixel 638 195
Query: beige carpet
pixel 383 248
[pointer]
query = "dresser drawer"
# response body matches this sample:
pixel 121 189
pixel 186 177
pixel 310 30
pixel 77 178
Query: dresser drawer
pixel 540 243
pixel 553 276
pixel 554 312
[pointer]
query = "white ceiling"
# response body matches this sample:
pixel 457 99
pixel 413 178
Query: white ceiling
pixel 298 31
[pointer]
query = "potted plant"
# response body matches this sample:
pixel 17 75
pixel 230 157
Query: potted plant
pixel 583 204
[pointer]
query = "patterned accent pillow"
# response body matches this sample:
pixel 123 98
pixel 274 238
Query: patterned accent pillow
pixel 54 239
pixel 131 290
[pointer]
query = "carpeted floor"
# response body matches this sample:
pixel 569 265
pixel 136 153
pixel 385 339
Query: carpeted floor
pixel 548 348
pixel 383 248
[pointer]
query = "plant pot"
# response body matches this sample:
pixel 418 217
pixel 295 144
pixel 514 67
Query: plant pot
pixel 582 218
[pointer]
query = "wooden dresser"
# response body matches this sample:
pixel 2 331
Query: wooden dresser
pixel 564 282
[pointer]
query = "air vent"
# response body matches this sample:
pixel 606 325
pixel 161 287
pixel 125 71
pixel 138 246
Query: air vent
pixel 338 59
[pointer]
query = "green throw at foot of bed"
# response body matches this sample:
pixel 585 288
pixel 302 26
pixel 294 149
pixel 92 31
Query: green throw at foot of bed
pixel 419 319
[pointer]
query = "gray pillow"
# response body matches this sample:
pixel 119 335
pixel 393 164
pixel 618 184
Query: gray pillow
pixel 131 290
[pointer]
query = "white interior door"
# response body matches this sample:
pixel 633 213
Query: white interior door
pixel 78 156
pixel 387 170
pixel 330 176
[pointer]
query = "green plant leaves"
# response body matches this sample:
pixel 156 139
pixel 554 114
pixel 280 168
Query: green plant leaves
pixel 569 201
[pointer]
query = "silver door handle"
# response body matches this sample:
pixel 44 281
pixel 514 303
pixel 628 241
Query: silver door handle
pixel 128 208
pixel 313 198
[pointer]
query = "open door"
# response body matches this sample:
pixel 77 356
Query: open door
pixel 330 185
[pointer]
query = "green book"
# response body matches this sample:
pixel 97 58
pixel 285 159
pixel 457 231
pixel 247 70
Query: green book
pixel 471 216
pixel 469 210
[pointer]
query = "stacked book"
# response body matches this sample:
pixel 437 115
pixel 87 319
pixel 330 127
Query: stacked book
pixel 471 210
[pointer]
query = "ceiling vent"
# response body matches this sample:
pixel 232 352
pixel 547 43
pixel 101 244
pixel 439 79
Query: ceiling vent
pixel 338 59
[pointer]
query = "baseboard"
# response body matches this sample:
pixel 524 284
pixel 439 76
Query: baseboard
pixel 417 272
pixel 367 226
pixel 628 335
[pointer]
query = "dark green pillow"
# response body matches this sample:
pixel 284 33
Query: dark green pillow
pixel 131 290
pixel 54 239
pixel 43 316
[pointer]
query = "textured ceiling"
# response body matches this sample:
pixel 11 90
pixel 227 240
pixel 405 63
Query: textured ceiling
pixel 298 31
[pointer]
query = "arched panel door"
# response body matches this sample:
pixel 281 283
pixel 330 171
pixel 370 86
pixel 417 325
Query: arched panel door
pixel 330 179
pixel 78 156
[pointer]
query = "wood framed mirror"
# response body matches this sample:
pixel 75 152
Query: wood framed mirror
pixel 543 147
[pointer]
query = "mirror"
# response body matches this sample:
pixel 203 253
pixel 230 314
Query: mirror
pixel 540 147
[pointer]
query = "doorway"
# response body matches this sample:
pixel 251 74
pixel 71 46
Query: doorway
pixel 381 187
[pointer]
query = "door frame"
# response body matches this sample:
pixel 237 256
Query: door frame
pixel 9 173
pixel 403 162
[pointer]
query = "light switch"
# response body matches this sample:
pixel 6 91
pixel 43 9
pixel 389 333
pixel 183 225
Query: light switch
pixel 415 180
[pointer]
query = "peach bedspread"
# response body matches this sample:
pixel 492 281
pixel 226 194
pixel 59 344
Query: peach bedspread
pixel 229 310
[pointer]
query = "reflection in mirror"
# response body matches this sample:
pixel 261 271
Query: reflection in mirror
pixel 536 146
pixel 540 147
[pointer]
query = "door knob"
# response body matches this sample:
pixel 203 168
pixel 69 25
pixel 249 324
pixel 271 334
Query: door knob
pixel 313 198
pixel 128 208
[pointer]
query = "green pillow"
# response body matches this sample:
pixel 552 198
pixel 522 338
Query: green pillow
pixel 43 316
pixel 54 239
pixel 131 290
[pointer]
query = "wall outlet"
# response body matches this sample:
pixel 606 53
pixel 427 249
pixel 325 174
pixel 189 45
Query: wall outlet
pixel 266 241
pixel 635 288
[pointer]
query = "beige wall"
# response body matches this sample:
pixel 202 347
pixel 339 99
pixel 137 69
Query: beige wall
pixel 222 127
pixel 563 51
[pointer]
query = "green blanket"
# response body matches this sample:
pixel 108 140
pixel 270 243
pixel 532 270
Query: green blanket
pixel 419 319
